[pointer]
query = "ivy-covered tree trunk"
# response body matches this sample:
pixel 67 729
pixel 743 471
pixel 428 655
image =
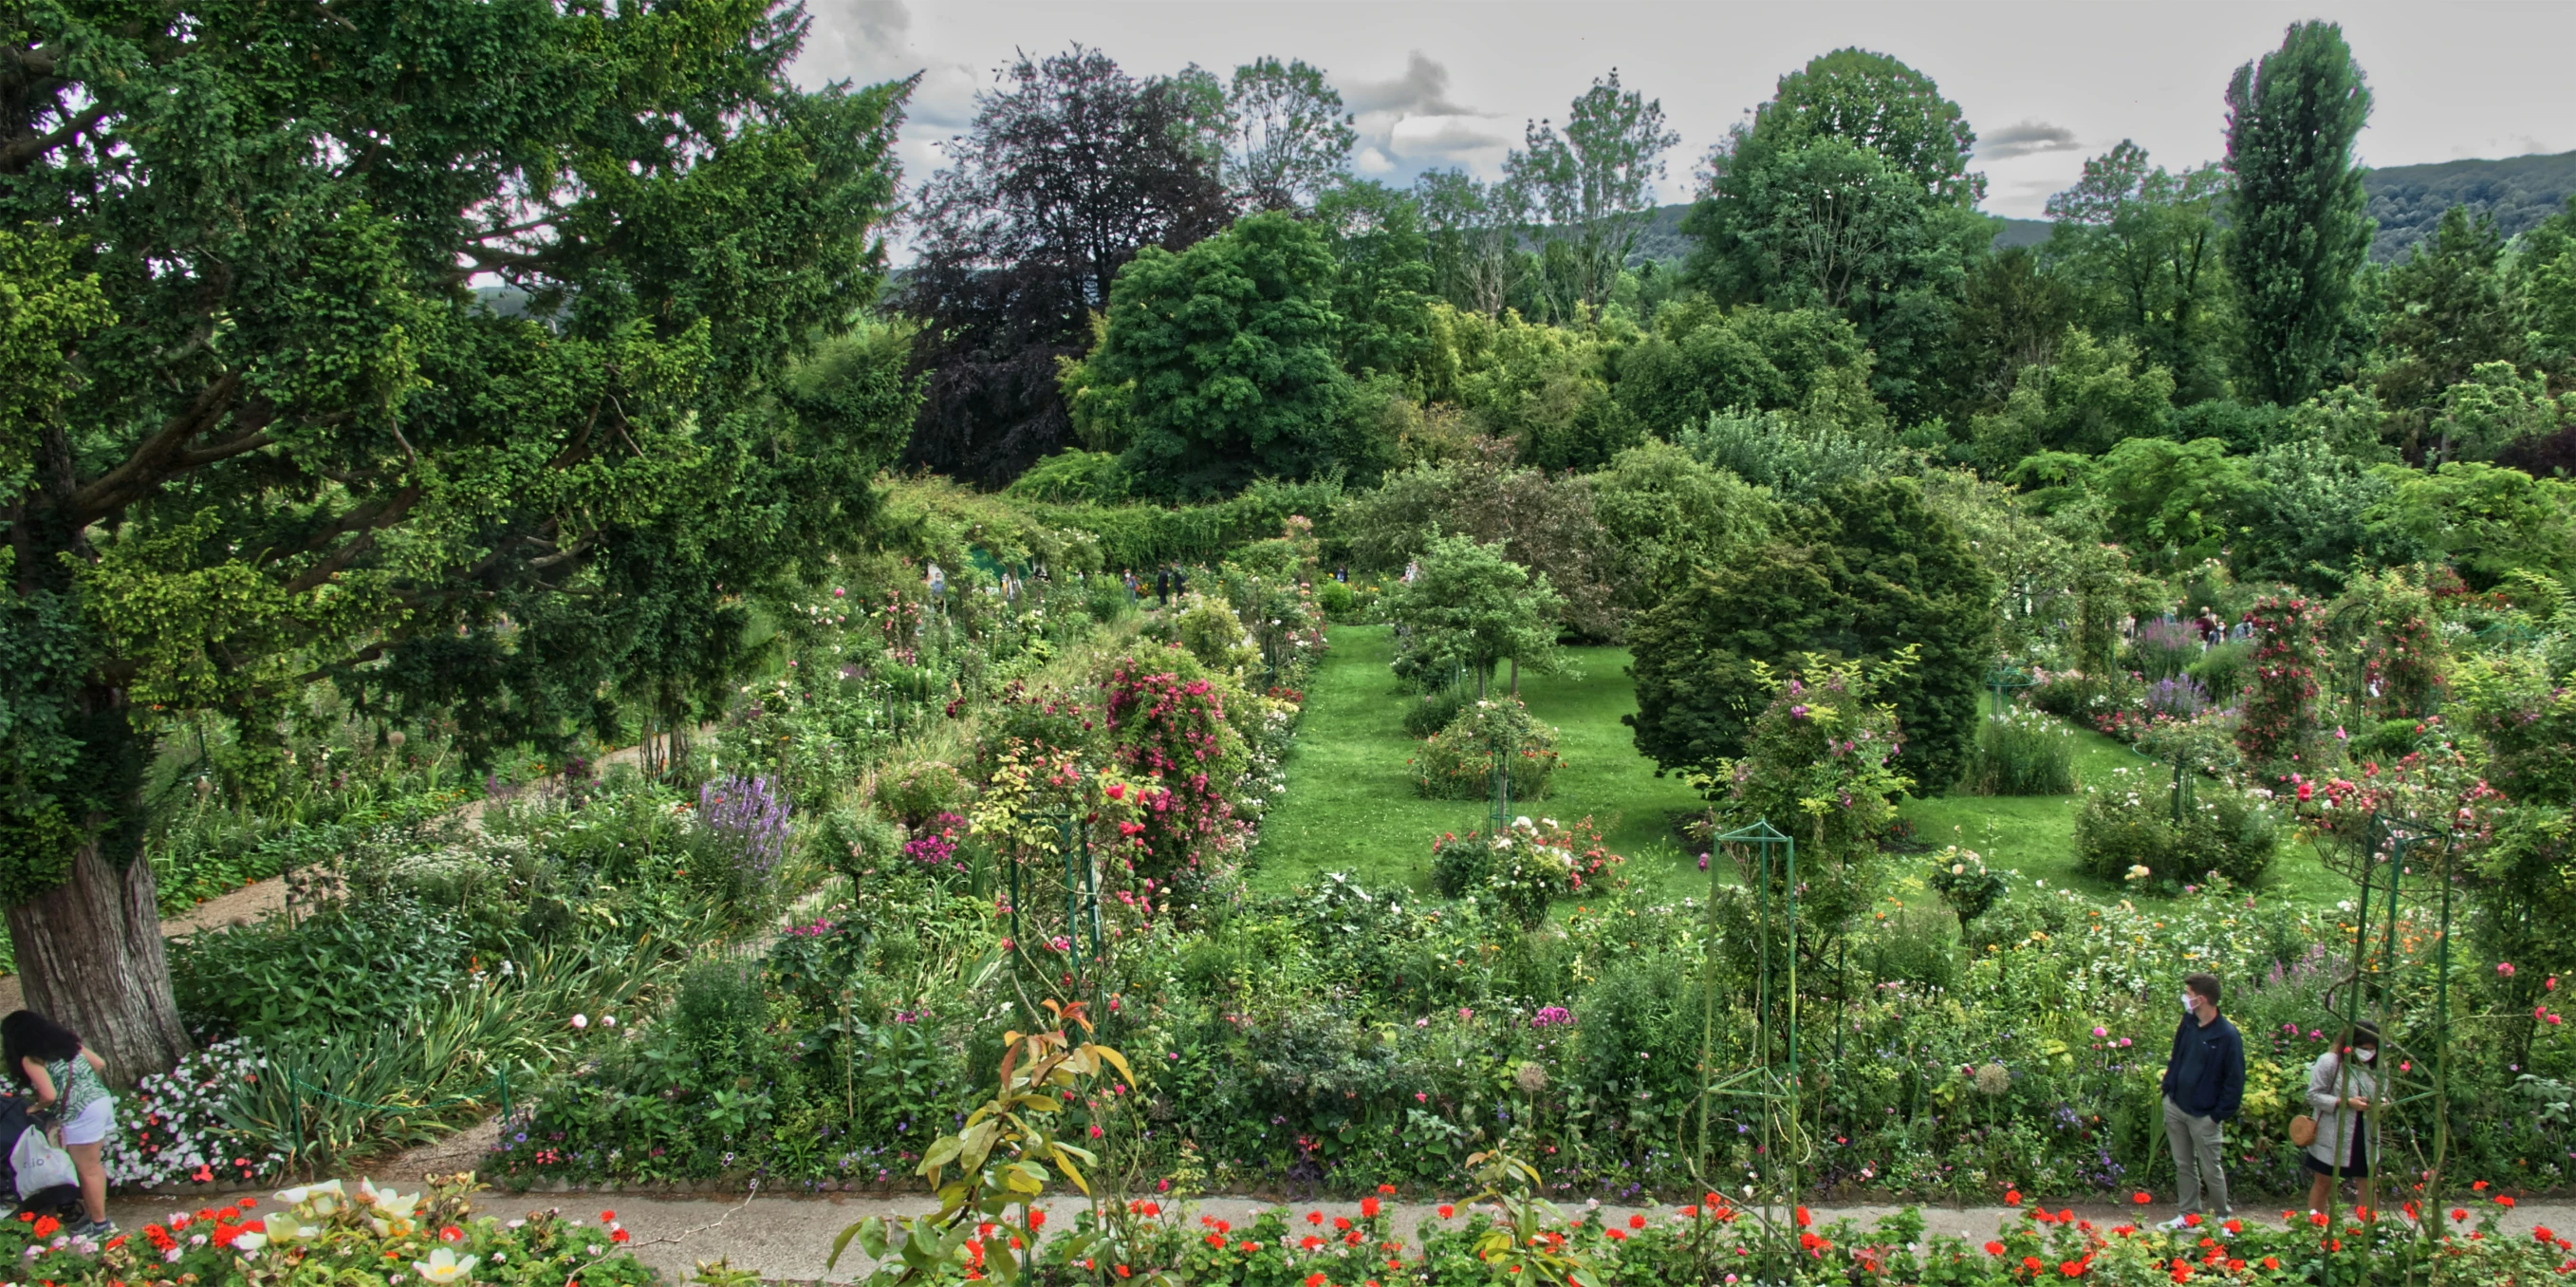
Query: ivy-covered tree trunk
pixel 89 948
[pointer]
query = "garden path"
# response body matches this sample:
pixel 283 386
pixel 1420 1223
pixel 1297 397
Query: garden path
pixel 260 900
pixel 785 1239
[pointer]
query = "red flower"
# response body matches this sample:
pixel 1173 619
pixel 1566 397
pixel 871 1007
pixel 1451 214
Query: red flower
pixel 1386 1190
pixel 1446 1211
pixel 2142 1197
pixel 1994 1248
pixel 46 1225
pixel 619 1235
pixel 1368 1208
pixel 1636 1222
pixel 2506 1203
pixel 608 1217
pixel 2012 1197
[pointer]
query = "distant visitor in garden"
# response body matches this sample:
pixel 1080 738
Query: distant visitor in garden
pixel 72 1104
pixel 2204 1082
pixel 2341 1093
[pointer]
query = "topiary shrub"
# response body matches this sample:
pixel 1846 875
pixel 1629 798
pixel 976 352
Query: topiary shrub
pixel 1214 635
pixel 1339 602
pixel 1457 762
pixel 2223 671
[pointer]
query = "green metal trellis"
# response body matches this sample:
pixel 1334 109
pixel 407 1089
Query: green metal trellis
pixel 2002 681
pixel 1081 876
pixel 2392 852
pixel 1771 1080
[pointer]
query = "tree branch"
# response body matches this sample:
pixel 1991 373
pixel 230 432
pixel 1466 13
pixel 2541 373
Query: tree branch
pixel 25 150
pixel 153 461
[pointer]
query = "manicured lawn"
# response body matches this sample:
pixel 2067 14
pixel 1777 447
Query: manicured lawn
pixel 1351 806
pixel 2035 835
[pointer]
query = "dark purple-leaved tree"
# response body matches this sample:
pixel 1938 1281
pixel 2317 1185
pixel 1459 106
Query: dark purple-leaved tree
pixel 1070 168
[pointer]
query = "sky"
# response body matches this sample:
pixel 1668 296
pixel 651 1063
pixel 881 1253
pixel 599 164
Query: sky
pixel 1436 85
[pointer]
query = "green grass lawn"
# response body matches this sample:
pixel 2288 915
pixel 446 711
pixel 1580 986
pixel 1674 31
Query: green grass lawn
pixel 2035 835
pixel 1351 806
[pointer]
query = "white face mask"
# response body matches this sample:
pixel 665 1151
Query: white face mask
pixel 2190 1003
pixel 2365 1055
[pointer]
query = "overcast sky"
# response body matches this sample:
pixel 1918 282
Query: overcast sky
pixel 2045 85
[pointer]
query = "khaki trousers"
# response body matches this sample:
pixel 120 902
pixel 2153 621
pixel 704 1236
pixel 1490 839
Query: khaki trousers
pixel 2198 1170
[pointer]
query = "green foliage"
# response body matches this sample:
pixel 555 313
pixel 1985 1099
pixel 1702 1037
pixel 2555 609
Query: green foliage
pixel 1701 360
pixel 1230 353
pixel 2495 407
pixel 1457 762
pixel 2175 504
pixel 1433 711
pixel 372 469
pixel 2298 231
pixel 1545 522
pixel 2023 752
pixel 1821 764
pixel 1593 186
pixel 2485 521
pixel 1471 607
pixel 2445 316
pixel 1798 461
pixel 1870 571
pixel 1668 513
pixel 2089 398
pixel 1543 388
pixel 2141 246
pixel 2126 834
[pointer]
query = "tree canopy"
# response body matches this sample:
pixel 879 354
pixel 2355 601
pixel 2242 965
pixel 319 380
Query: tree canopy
pixel 473 357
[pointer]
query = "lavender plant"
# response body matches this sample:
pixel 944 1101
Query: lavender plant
pixel 742 823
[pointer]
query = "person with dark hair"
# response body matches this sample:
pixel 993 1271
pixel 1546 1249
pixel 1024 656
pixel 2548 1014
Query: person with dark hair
pixel 1163 587
pixel 2204 1084
pixel 2341 1088
pixel 72 1102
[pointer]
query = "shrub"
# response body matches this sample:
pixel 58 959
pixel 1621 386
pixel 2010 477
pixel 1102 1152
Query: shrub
pixel 1214 635
pixel 1457 763
pixel 2126 834
pixel 1339 602
pixel 1525 867
pixel 2023 752
pixel 2280 712
pixel 2222 671
pixel 1435 710
pixel 1962 879
pixel 2163 649
pixel 2078 696
pixel 1105 598
pixel 915 793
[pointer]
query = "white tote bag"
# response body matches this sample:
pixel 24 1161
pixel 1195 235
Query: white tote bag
pixel 39 1164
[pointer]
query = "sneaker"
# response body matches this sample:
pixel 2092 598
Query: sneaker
pixel 2178 1223
pixel 94 1230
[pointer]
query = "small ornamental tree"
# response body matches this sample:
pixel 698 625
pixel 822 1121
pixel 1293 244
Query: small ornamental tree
pixel 1472 607
pixel 2402 658
pixel 2280 719
pixel 1819 765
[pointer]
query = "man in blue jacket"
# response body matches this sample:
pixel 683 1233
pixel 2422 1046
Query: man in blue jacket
pixel 2204 1084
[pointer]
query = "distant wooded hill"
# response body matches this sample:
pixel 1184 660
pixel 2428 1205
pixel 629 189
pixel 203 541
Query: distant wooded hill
pixel 2407 200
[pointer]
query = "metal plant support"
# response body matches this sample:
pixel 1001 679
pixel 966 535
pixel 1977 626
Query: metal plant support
pixel 1081 877
pixel 1771 1079
pixel 2399 861
pixel 2003 681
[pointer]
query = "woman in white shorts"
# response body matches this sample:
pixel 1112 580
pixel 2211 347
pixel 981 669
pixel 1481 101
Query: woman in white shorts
pixel 71 1098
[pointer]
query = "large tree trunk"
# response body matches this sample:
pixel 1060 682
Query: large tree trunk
pixel 89 952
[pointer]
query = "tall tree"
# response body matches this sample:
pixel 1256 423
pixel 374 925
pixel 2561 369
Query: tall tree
pixel 1474 231
pixel 1382 288
pixel 1070 167
pixel 1595 183
pixel 2141 244
pixel 2299 232
pixel 2445 312
pixel 1850 191
pixel 286 441
pixel 1288 139
pixel 1227 353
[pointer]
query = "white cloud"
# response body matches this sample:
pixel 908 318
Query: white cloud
pixel 1423 90
pixel 2025 138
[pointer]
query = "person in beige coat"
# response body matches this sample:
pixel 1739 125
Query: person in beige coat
pixel 2343 1089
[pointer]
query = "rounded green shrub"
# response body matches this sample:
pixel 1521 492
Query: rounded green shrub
pixel 1457 762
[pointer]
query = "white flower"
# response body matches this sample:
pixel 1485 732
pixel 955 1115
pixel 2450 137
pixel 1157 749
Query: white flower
pixel 581 1021
pixel 443 1267
pixel 608 1021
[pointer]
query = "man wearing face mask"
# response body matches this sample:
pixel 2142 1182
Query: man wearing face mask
pixel 2341 1092
pixel 2204 1083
